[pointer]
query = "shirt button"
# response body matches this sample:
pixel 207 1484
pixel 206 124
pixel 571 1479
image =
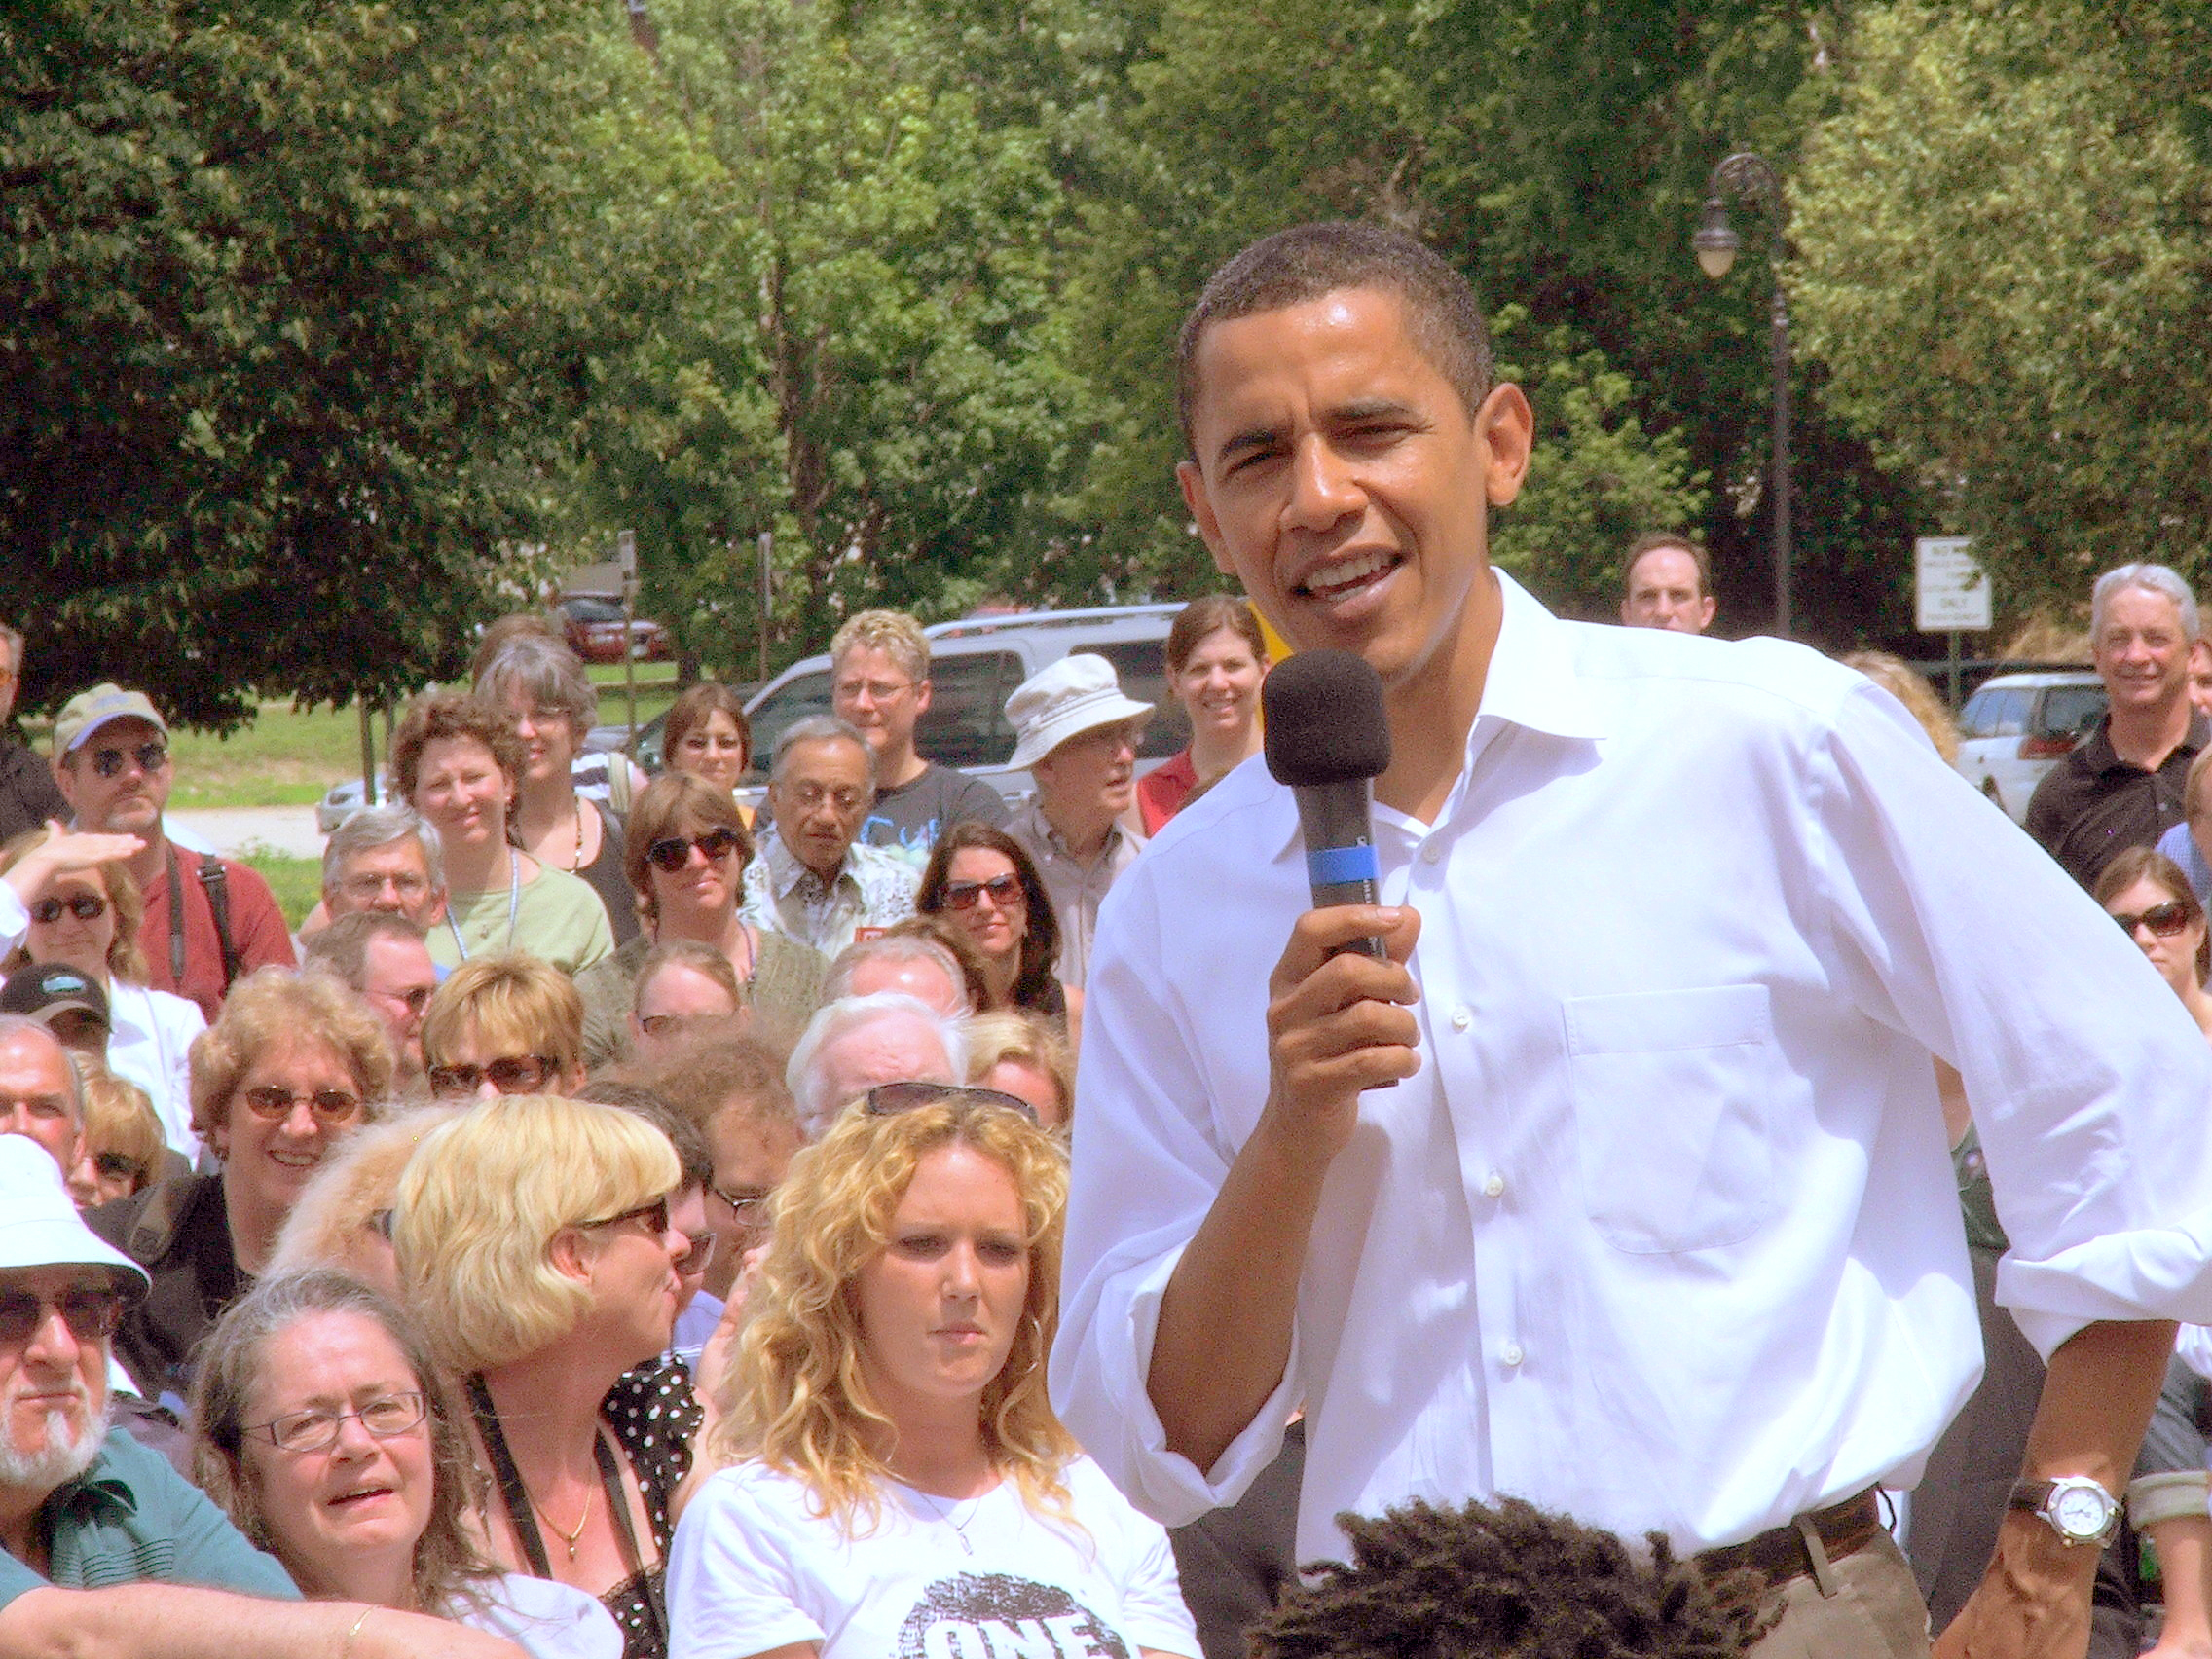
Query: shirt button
pixel 1462 1019
pixel 1493 1185
pixel 1512 1354
pixel 1430 853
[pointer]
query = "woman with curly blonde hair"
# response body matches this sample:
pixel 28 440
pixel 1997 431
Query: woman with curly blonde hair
pixel 894 1479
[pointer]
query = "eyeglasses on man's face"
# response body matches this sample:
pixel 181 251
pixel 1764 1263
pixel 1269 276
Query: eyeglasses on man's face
pixel 91 1314
pixel 151 758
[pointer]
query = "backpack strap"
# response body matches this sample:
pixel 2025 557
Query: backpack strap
pixel 153 1234
pixel 217 880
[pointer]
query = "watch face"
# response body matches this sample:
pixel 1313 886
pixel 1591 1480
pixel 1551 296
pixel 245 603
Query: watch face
pixel 2079 1514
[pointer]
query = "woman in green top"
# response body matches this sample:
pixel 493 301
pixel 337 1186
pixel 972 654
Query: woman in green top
pixel 688 851
pixel 457 761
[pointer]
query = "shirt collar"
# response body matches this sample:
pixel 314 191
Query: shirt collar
pixel 98 1487
pixel 786 871
pixel 1531 682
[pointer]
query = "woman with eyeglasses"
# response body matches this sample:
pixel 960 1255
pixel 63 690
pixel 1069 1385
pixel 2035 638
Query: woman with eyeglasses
pixel 457 760
pixel 321 1426
pixel 983 881
pixel 292 1066
pixel 2146 893
pixel 706 735
pixel 688 853
pixel 893 1479
pixel 503 1025
pixel 534 1242
pixel 80 907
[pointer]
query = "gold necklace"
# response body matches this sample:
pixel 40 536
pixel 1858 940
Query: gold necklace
pixel 568 1539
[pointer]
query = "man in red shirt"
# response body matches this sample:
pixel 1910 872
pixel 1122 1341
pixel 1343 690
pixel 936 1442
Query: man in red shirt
pixel 111 757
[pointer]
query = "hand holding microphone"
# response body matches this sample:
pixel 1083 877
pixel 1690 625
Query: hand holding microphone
pixel 1336 1020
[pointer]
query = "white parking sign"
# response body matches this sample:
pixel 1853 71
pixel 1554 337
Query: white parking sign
pixel 1950 591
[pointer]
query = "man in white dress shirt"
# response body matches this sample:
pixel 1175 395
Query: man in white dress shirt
pixel 1656 1226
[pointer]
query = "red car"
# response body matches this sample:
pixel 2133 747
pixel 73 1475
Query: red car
pixel 592 622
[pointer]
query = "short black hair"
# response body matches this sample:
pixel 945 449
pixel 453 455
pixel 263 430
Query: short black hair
pixel 1507 1582
pixel 1443 316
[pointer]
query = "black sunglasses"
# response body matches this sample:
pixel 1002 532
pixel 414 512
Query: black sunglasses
pixel 151 758
pixel 1004 890
pixel 92 1315
pixel 512 1074
pixel 84 906
pixel 889 1099
pixel 656 1212
pixel 671 854
pixel 2163 920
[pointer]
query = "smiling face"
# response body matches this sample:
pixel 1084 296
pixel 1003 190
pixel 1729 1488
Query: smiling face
pixel 1340 478
pixel 549 739
pixel 460 789
pixel 81 942
pixel 996 929
pixel 362 1498
pixel 107 786
pixel 268 1161
pixel 2142 653
pixel 880 699
pixel 942 1305
pixel 713 752
pixel 1219 685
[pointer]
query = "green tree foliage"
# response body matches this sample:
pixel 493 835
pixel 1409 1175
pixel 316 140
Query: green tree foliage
pixel 2008 267
pixel 281 340
pixel 851 339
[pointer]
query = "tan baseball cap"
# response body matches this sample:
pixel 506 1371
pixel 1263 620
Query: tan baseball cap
pixel 89 710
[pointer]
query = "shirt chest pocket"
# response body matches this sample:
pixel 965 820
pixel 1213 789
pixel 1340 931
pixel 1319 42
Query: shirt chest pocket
pixel 1672 1107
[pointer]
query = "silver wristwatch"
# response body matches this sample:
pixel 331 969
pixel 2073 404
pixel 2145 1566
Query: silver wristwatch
pixel 2074 1506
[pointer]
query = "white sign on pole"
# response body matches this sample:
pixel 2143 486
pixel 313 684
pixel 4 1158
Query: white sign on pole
pixel 1950 591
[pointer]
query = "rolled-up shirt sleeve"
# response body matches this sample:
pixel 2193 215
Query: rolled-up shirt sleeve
pixel 1151 1160
pixel 2088 1082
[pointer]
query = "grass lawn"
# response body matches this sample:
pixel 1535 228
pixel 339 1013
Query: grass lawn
pixel 296 882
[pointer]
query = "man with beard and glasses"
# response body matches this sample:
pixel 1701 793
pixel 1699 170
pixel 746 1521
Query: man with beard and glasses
pixel 84 1506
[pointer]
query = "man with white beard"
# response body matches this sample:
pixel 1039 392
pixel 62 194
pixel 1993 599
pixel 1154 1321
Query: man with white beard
pixel 80 1504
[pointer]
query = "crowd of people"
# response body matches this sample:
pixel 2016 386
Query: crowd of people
pixel 629 1221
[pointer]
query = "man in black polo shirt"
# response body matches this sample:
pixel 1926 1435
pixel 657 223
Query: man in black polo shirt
pixel 2122 787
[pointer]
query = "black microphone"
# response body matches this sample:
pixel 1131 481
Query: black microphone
pixel 1328 737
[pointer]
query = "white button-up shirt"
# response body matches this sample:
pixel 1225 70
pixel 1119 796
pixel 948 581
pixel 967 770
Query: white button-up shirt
pixel 1663 1234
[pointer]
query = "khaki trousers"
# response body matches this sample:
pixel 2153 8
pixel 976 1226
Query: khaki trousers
pixel 1868 1609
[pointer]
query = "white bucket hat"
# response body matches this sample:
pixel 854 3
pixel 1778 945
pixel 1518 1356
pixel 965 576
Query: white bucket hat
pixel 1077 695
pixel 40 1228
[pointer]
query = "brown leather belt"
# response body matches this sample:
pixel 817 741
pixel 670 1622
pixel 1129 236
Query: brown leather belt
pixel 1780 1554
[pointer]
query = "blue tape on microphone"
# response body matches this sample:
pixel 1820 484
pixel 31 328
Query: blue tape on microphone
pixel 1337 867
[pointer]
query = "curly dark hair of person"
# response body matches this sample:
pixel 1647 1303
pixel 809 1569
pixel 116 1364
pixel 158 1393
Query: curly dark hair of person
pixel 1507 1582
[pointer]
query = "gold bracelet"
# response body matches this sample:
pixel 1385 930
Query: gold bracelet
pixel 345 1651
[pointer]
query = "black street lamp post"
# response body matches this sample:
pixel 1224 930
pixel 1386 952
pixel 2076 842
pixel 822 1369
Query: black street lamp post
pixel 1751 178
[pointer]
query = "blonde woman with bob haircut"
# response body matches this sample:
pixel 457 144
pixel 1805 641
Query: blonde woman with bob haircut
pixel 894 1479
pixel 532 1242
pixel 505 1026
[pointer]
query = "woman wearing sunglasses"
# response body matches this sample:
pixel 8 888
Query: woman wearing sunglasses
pixel 981 881
pixel 688 853
pixel 292 1066
pixel 2147 894
pixel 322 1428
pixel 81 909
pixel 894 1480
pixel 534 1242
pixel 503 1025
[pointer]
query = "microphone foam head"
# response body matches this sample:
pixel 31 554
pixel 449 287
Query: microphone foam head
pixel 1325 719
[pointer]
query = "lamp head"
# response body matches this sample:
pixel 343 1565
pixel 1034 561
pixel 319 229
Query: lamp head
pixel 1715 241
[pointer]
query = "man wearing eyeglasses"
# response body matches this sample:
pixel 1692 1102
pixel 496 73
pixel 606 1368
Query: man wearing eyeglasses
pixel 111 757
pixel 382 958
pixel 384 858
pixel 880 687
pixel 83 1504
pixel 814 881
pixel 27 796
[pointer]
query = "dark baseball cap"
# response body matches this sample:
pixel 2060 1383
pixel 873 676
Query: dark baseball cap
pixel 42 992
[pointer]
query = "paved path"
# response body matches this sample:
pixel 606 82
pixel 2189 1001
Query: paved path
pixel 232 829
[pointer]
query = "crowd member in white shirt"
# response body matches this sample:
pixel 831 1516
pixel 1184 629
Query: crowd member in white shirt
pixel 67 899
pixel 893 1479
pixel 1655 1227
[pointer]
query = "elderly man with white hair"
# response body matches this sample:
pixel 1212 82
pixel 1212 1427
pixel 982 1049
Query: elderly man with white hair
pixel 2125 785
pixel 912 963
pixel 84 1506
pixel 857 1043
pixel 384 858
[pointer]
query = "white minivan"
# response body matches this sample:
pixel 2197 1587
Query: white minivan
pixel 2018 726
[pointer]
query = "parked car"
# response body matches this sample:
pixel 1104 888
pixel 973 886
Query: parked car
pixel 593 623
pixel 2017 726
pixel 974 665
